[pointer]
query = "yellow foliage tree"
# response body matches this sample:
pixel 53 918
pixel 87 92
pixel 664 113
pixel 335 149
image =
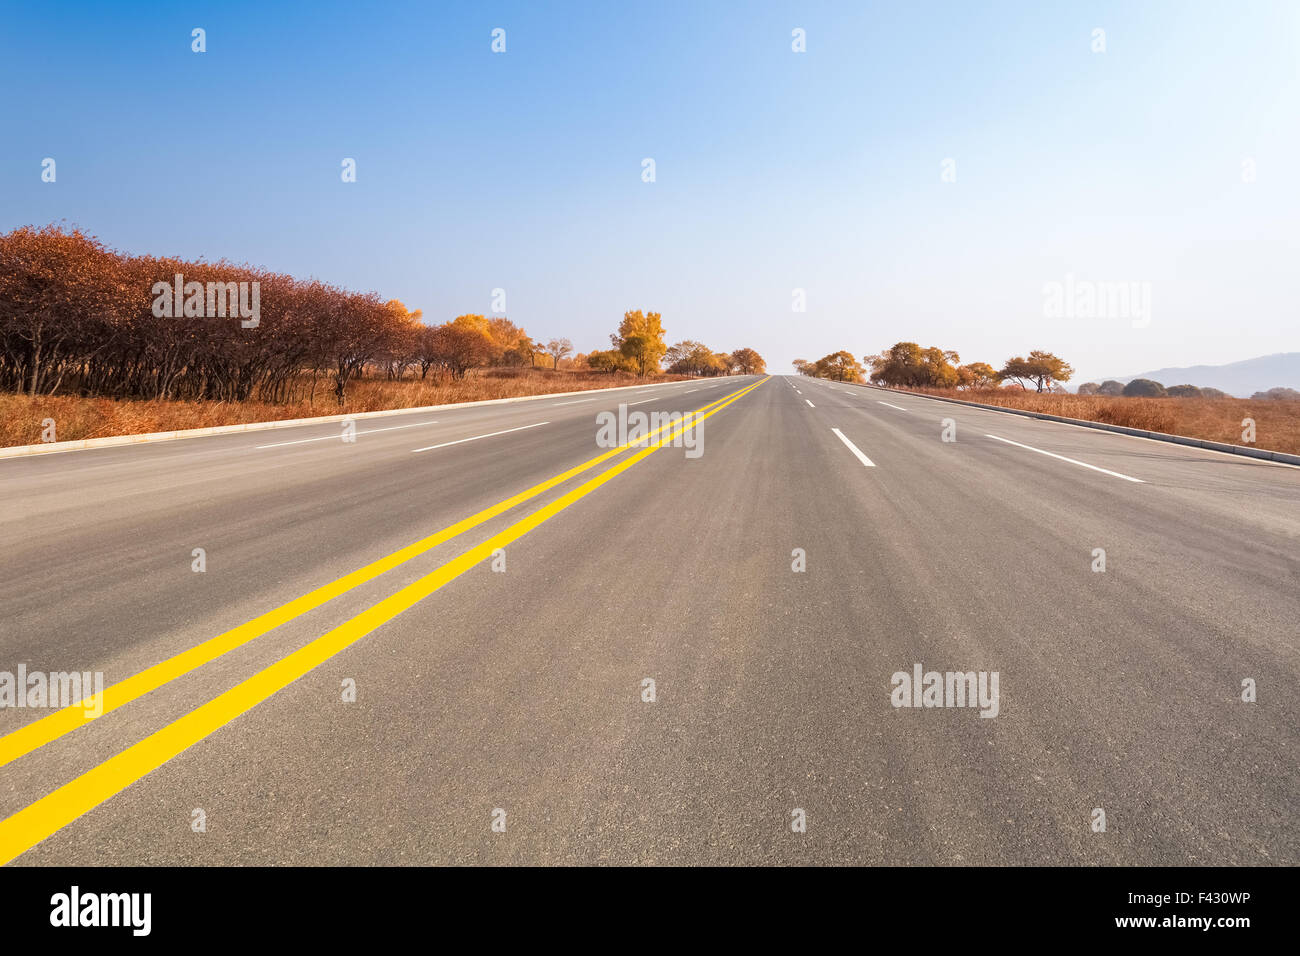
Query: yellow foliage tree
pixel 640 339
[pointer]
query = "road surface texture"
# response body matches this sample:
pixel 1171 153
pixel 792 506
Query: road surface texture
pixel 500 669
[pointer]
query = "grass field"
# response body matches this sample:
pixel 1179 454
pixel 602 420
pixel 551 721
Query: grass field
pixel 76 418
pixel 1277 422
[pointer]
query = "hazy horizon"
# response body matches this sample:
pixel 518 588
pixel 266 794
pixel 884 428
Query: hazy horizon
pixel 1164 161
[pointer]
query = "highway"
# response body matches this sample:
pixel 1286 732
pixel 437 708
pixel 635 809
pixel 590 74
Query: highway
pixel 522 689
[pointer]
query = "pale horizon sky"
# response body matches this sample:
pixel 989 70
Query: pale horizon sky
pixel 775 170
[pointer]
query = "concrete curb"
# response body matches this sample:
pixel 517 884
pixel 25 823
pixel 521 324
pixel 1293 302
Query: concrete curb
pixel 49 448
pixel 1221 447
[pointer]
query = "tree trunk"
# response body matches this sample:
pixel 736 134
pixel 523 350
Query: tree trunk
pixel 36 368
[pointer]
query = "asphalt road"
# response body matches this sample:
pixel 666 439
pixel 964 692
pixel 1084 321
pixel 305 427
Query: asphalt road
pixel 521 690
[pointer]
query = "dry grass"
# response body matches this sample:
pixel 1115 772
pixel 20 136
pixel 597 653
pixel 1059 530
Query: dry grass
pixel 1277 423
pixel 77 418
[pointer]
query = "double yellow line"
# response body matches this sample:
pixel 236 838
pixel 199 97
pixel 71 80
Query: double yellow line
pixel 29 826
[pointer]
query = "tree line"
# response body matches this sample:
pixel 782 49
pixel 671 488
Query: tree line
pixel 640 345
pixel 909 365
pixel 1149 388
pixel 77 317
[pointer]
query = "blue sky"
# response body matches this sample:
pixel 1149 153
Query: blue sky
pixel 775 170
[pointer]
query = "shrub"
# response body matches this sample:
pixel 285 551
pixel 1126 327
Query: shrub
pixel 1277 394
pixel 1144 388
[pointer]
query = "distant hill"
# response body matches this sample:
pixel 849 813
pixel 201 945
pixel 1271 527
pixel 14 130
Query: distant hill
pixel 1242 378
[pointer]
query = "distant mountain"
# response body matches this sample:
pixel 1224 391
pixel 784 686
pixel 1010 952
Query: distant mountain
pixel 1242 378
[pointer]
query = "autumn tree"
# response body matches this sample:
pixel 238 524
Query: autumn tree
pixel 977 375
pixel 839 366
pixel 400 350
pixel 609 361
pixel 908 365
pixel 460 346
pixel 941 367
pixel 511 344
pixel 61 295
pixel 558 349
pixel 426 350
pixel 352 334
pixel 689 358
pixel 1041 368
pixel 640 338
pixel 748 362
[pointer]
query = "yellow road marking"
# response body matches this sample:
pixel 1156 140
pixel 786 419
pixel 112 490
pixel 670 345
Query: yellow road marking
pixel 38 733
pixel 34 823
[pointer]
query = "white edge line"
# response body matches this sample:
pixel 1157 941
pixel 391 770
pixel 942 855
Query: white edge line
pixel 854 448
pixel 1084 464
pixel 460 441
pixel 576 402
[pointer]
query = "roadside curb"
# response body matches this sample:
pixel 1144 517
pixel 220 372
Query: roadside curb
pixel 49 448
pixel 1222 447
